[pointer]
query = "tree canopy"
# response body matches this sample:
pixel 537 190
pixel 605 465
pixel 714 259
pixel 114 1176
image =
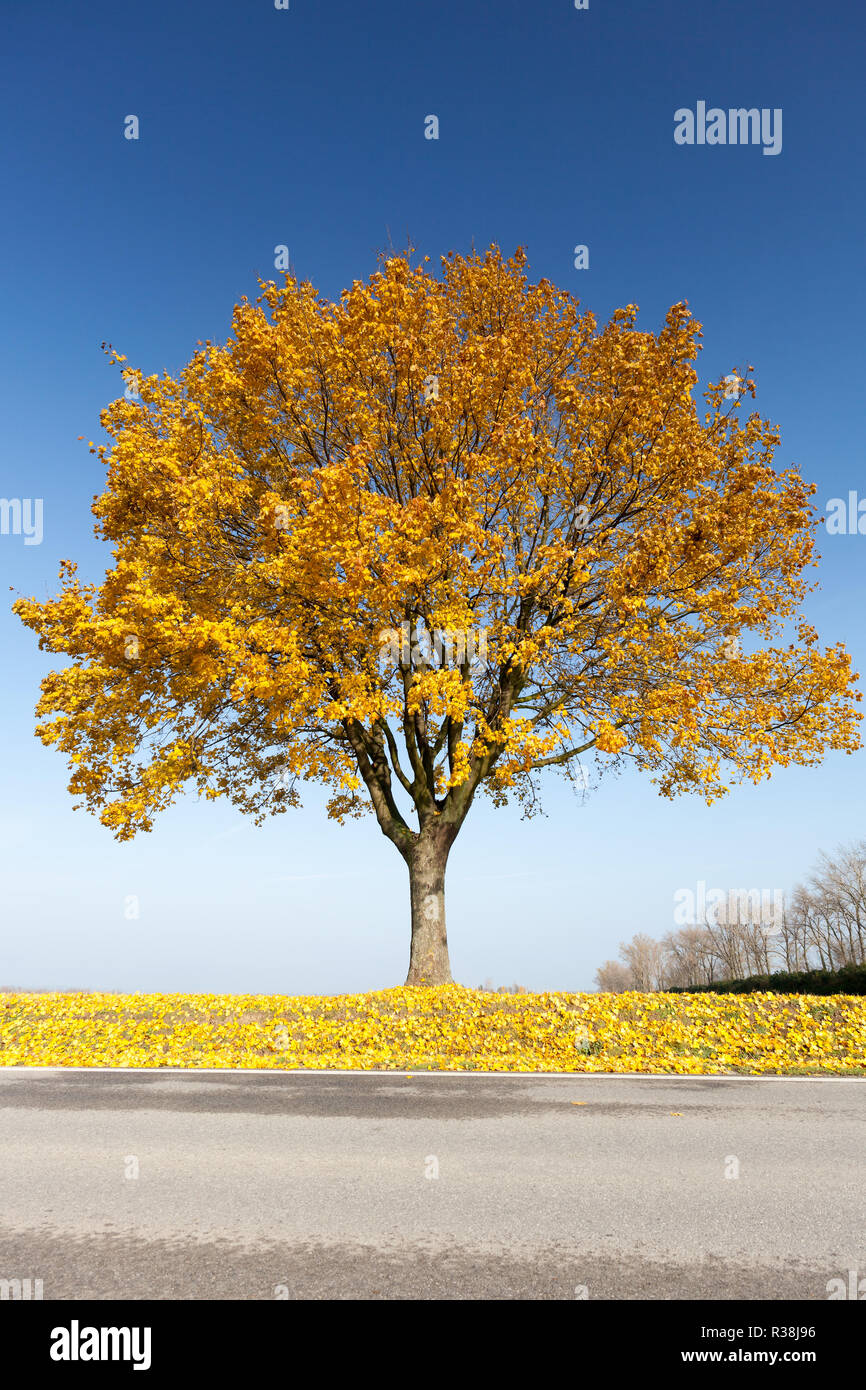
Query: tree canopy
pixel 464 453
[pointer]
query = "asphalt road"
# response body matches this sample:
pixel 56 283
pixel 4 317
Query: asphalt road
pixel 180 1185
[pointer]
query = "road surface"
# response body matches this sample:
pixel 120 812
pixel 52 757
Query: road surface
pixel 185 1185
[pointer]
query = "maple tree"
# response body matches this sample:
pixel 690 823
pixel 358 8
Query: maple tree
pixel 300 513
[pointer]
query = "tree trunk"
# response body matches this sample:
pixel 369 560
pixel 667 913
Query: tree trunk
pixel 428 957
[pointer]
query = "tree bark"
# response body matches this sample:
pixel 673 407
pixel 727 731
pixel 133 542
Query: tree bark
pixel 428 956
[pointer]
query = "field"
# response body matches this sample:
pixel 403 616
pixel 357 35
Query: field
pixel 449 1028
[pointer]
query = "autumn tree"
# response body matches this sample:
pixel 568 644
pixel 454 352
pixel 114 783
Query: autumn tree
pixel 825 927
pixel 423 543
pixel 646 962
pixel 612 977
pixel 691 956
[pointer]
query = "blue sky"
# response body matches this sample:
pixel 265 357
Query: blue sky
pixel 305 127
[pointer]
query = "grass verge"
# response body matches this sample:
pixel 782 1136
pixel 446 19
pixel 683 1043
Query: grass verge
pixel 447 1028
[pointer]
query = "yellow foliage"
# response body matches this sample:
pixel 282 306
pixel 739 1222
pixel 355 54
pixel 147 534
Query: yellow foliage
pixel 444 1028
pixel 466 452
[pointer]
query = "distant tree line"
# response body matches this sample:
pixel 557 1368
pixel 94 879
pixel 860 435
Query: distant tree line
pixel 822 927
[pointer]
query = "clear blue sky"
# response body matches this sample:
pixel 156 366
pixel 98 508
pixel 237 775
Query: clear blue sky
pixel 305 127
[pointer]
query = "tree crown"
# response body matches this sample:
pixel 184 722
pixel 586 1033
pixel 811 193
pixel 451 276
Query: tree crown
pixel 429 539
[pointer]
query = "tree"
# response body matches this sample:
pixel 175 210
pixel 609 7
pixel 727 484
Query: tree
pixel 826 925
pixel 840 880
pixel 690 956
pixel 421 544
pixel 645 960
pixel 613 978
